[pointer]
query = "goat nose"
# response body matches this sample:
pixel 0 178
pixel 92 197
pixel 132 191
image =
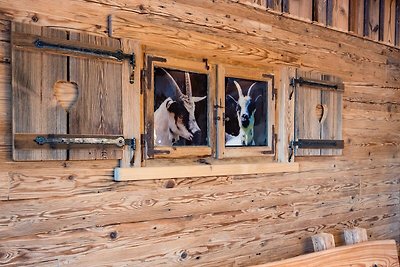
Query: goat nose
pixel 245 121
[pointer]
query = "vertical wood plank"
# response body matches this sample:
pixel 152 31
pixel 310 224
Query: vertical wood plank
pixel 275 5
pixel 53 115
pixel 356 16
pixel 285 114
pixel 220 112
pixel 307 124
pixel 371 21
pixel 320 11
pixel 389 25
pixel 98 109
pixel 148 108
pixel 26 84
pixel 131 104
pixel 331 127
pixel 340 14
pixel 301 9
pixel 260 3
pixel 35 108
pixel 397 26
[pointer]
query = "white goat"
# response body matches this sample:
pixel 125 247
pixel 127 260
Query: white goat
pixel 245 109
pixel 175 118
pixel 169 123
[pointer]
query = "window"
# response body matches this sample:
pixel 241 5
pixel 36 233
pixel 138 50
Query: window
pixel 247 107
pixel 178 108
pixel 318 114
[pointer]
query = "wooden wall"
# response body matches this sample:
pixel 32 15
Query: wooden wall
pixel 72 213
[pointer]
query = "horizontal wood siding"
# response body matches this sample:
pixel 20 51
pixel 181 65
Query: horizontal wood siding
pixel 72 213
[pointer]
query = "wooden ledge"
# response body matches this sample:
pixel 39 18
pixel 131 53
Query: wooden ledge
pixel 168 172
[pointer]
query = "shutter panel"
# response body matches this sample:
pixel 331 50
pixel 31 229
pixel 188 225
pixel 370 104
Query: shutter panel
pixel 318 112
pixel 99 107
pixel 38 109
pixel 35 110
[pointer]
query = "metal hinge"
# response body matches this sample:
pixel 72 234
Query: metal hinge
pixel 118 55
pixel 76 141
pixel 274 94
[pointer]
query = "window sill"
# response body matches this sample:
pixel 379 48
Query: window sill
pixel 168 172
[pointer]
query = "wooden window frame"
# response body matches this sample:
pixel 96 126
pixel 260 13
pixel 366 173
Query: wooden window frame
pixel 256 74
pixel 176 152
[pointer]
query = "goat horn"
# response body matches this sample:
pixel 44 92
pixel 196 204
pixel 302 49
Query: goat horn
pixel 171 79
pixel 239 89
pixel 251 87
pixel 188 85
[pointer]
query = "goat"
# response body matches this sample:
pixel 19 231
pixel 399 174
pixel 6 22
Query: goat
pixel 245 110
pixel 175 118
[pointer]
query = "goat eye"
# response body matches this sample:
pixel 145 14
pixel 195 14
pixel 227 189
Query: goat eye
pixel 238 108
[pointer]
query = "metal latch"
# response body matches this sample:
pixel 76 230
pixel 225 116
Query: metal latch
pixel 56 140
pixel 314 144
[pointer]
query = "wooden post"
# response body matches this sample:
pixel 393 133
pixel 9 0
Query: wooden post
pixel 355 235
pixel 323 241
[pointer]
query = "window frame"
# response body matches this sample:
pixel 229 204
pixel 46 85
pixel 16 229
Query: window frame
pixel 256 74
pixel 152 151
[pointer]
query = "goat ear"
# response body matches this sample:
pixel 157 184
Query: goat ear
pixel 198 98
pixel 170 103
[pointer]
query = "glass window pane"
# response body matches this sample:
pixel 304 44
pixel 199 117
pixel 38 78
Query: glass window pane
pixel 180 108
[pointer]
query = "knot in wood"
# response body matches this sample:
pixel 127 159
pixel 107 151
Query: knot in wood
pixel 113 235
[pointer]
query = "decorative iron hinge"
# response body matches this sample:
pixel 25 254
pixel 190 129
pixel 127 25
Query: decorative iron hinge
pixel 118 55
pixel 59 140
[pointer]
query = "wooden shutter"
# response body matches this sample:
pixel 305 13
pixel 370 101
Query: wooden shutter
pixel 36 109
pixel 318 111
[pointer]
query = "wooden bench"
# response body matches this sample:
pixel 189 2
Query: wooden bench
pixel 357 252
pixel 381 253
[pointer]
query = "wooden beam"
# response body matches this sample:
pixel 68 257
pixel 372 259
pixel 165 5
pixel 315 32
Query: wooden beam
pixel 149 173
pixel 323 241
pixel 355 235
pixel 373 253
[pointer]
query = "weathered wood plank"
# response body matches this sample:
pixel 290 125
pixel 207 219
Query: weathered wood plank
pixel 371 19
pixel 320 11
pixel 97 109
pixel 301 9
pixel 356 16
pixel 340 14
pixel 389 18
pixel 367 253
pixel 134 174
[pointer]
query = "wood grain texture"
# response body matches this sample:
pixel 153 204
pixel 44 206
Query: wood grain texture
pixel 37 89
pixel 356 17
pixel 301 9
pixel 320 11
pixel 389 18
pixel 127 174
pixel 374 252
pixel 98 109
pixel 371 19
pixel 340 14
